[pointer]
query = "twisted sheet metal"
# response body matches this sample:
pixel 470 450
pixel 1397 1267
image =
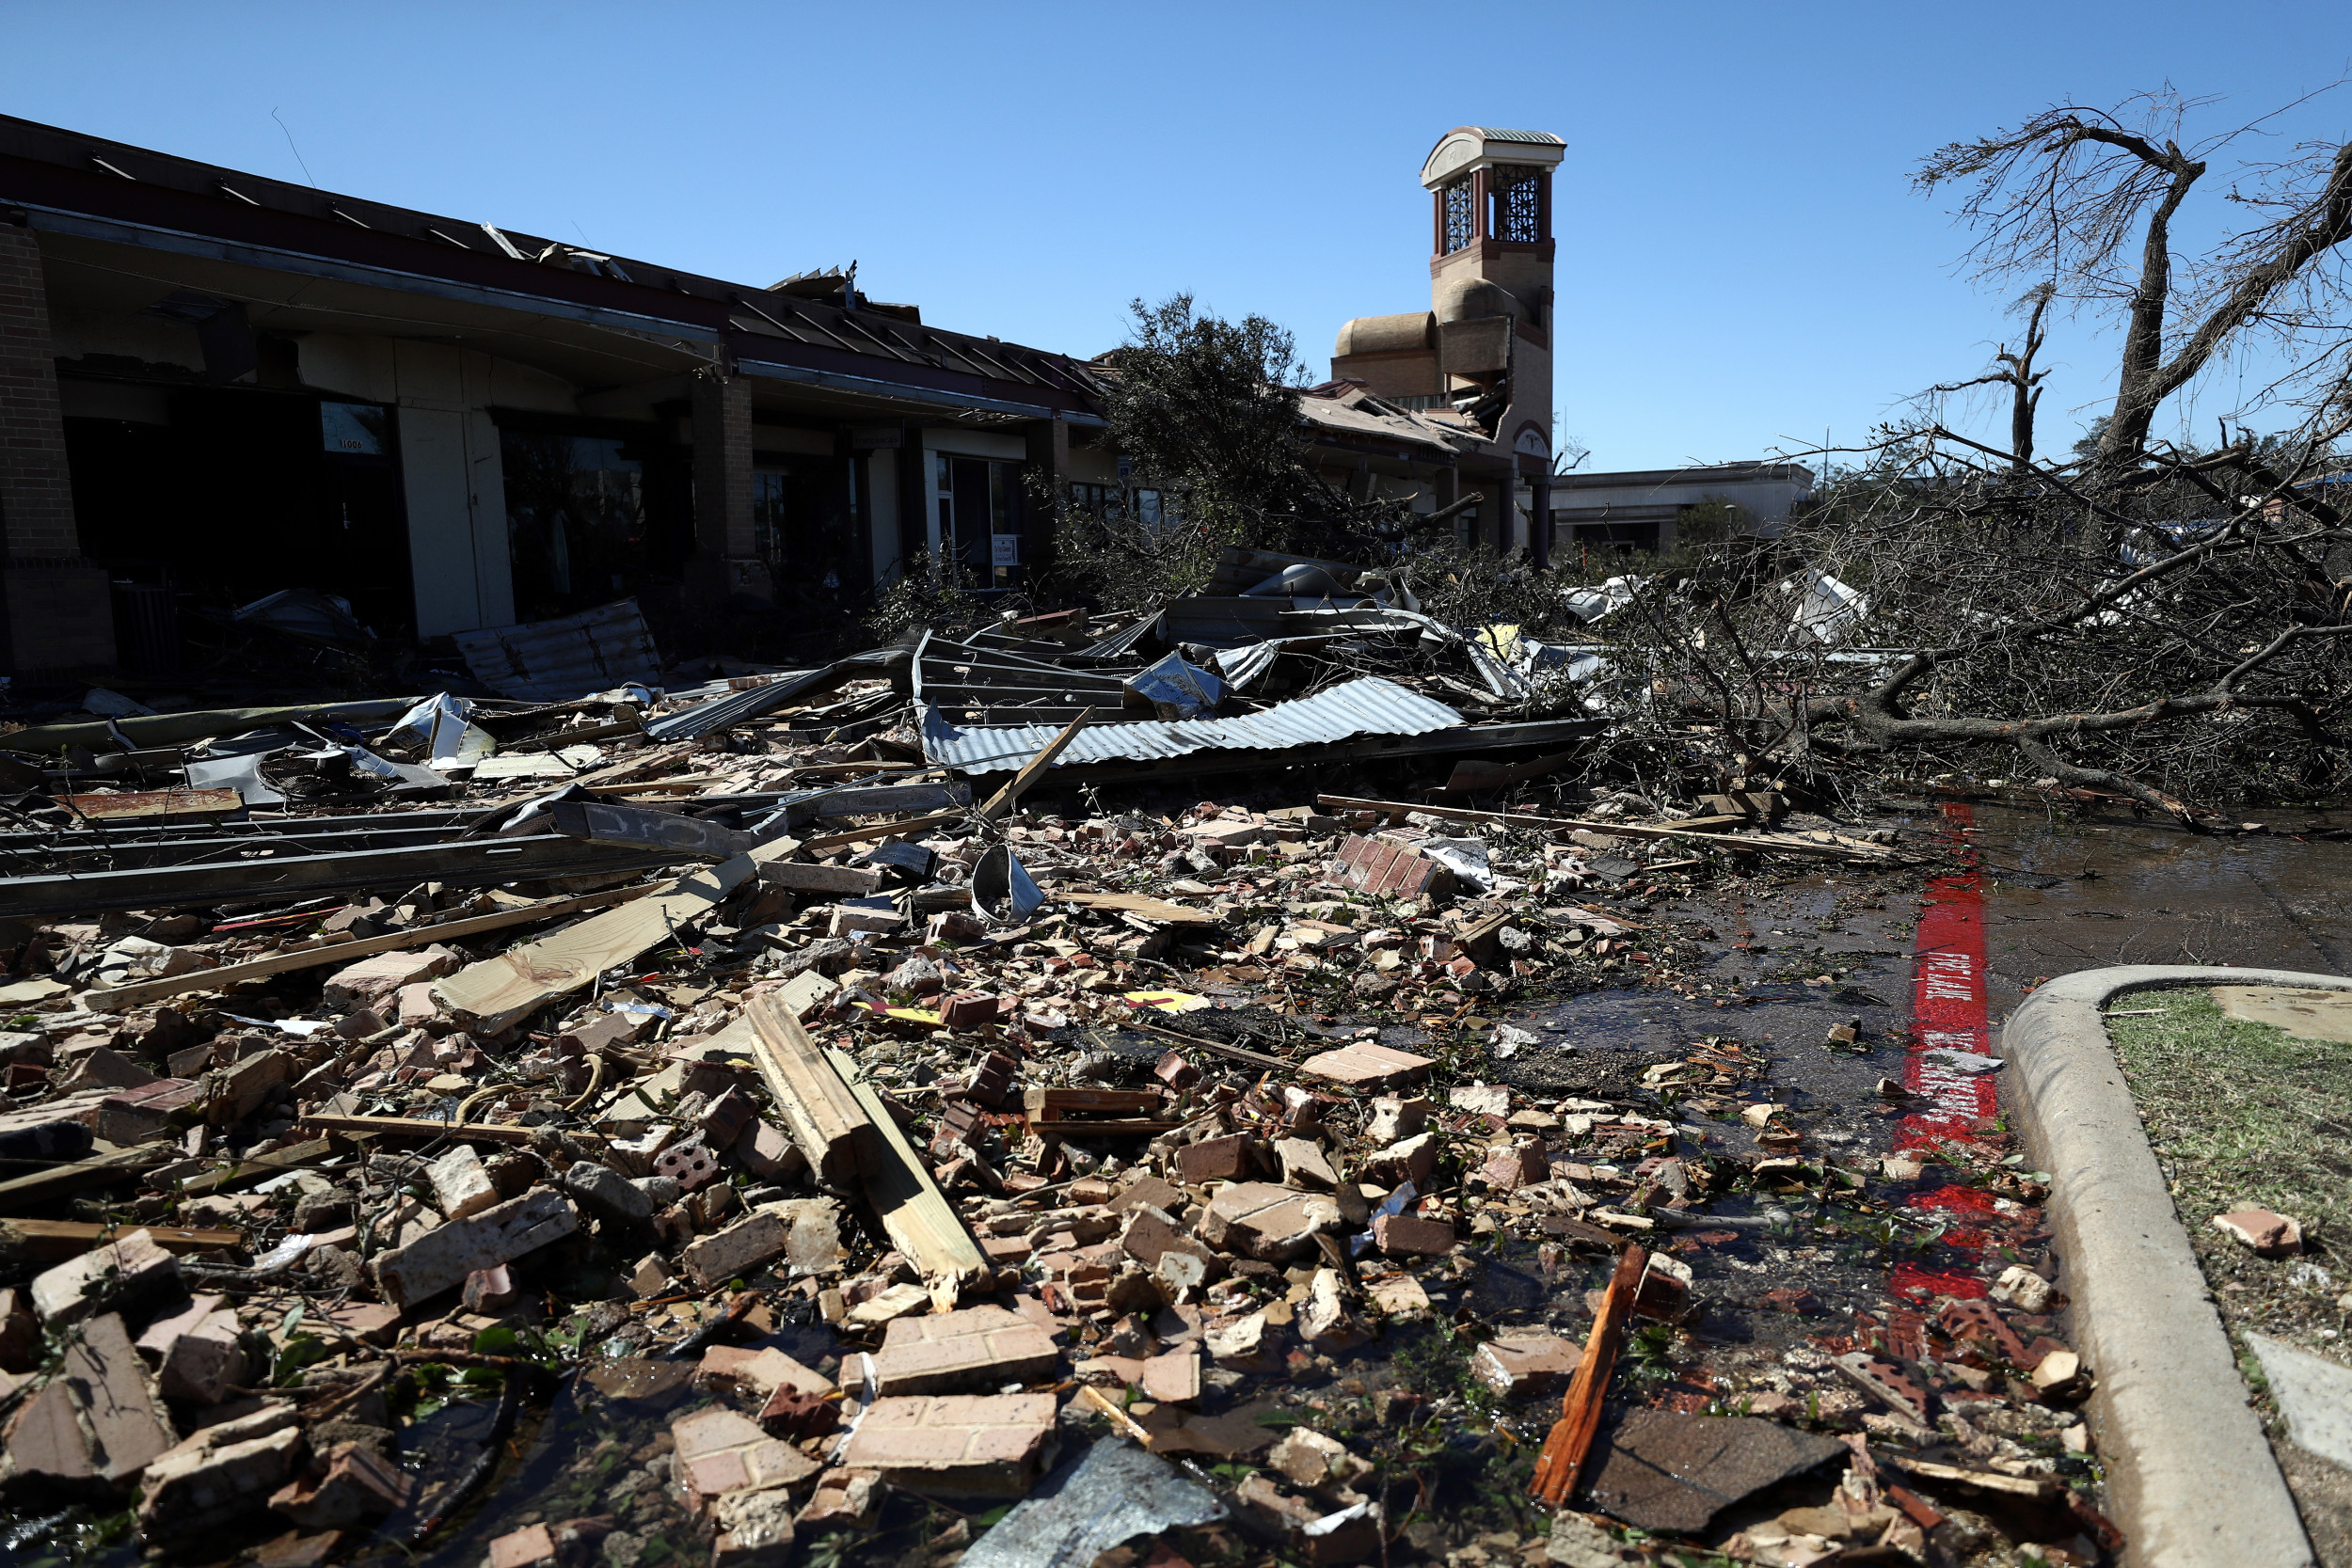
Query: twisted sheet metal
pixel 1367 707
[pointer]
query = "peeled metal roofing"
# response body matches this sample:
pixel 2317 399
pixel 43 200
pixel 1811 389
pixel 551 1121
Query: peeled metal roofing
pixel 1368 706
pixel 555 661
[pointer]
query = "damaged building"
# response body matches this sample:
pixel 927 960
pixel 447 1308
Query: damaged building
pixel 218 387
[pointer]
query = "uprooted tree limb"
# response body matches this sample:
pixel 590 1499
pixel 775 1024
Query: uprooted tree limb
pixel 2146 619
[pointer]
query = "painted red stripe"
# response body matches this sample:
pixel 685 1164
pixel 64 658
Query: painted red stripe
pixel 1949 1008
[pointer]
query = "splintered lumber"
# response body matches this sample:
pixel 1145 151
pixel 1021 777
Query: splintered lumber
pixel 881 829
pixel 276 1162
pixel 1001 803
pixel 915 1215
pixel 42 1239
pixel 1094 1113
pixel 819 1110
pixel 1140 905
pixel 1570 1442
pixel 800 877
pixel 418 1127
pixel 501 992
pixel 42 1186
pixel 139 992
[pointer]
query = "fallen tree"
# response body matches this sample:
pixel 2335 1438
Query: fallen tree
pixel 2148 618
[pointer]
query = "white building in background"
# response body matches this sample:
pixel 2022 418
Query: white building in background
pixel 1644 510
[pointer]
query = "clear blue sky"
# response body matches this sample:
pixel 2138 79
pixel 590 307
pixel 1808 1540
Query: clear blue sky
pixel 1742 265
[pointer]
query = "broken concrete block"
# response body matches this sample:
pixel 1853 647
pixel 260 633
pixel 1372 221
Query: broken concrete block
pixel 382 974
pixel 196 1353
pixel 2023 1288
pixel 46 1445
pixel 1247 1344
pixel 1174 1377
pixel 1413 1159
pixel 768 1153
pixel 956 1444
pixel 977 1347
pixel 128 1271
pixel 805 1232
pixel 219 1475
pixel 442 1257
pixel 460 1185
pixel 755 1529
pixel 1324 1319
pixel 359 1486
pixel 2266 1234
pixel 1521 1364
pixel 1226 1159
pixel 1394 1120
pixel 1509 1169
pixel 1410 1236
pixel 1305 1166
pixel 755 1375
pixel 721 1450
pixel 890 1305
pixel 239 1089
pixel 1309 1459
pixel 651 1276
pixel 1262 1221
pixel 607 1194
pixel 529 1548
pixel 844 1500
pixel 1366 1066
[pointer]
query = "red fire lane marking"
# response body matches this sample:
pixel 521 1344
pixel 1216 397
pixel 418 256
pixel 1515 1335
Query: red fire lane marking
pixel 1947 1011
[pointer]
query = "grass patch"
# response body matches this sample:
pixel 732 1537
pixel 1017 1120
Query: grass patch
pixel 2240 1112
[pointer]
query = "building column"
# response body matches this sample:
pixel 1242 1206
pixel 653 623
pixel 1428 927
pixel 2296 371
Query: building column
pixel 915 499
pixel 1539 534
pixel 1049 460
pixel 57 609
pixel 726 553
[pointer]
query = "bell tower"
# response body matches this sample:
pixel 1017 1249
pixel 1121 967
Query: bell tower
pixel 1490 282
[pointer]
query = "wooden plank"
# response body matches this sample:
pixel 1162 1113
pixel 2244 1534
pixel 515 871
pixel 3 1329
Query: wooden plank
pixel 1001 803
pixel 47 1239
pixel 866 800
pixel 1137 904
pixel 915 1215
pixel 1700 829
pixel 881 829
pixel 1054 1104
pixel 1103 1127
pixel 417 1126
pixel 1216 1048
pixel 823 1116
pixel 40 1185
pixel 1570 1441
pixel 501 992
pixel 1478 773
pixel 804 878
pixel 142 805
pixel 260 1167
pixel 139 992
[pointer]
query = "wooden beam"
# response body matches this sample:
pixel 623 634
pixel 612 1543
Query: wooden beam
pixel 836 1132
pixel 1137 904
pixel 260 1167
pixel 803 877
pixel 139 992
pixel 1703 829
pixel 881 829
pixel 47 1239
pixel 1570 1441
pixel 1001 803
pixel 418 1127
pixel 39 1186
pixel 501 992
pixel 915 1215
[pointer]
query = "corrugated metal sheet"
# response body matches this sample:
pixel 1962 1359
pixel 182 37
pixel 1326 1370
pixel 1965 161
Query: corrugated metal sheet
pixel 735 707
pixel 554 662
pixel 1368 706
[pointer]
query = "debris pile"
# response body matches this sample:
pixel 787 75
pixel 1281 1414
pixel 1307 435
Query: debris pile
pixel 726 1118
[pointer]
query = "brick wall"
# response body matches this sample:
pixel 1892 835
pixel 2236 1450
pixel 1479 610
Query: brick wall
pixel 726 556
pixel 35 498
pixel 58 613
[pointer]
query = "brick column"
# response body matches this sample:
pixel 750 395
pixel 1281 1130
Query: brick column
pixel 57 609
pixel 1049 459
pixel 726 556
pixel 1539 537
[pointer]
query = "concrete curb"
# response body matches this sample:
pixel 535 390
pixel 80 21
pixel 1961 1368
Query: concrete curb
pixel 2190 1476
